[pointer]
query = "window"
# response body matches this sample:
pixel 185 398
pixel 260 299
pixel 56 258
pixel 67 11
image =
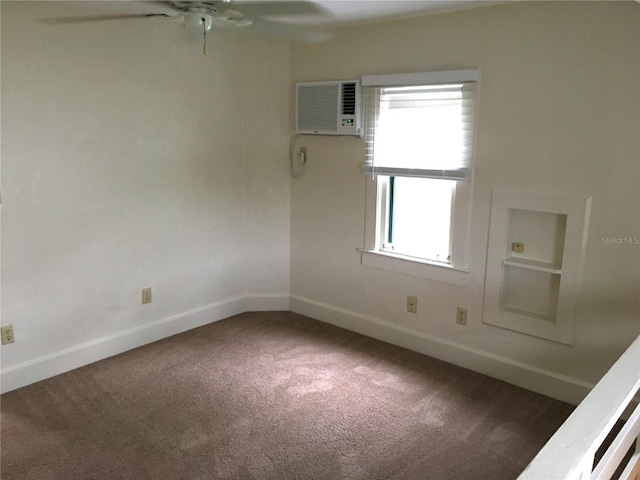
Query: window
pixel 419 132
pixel 418 221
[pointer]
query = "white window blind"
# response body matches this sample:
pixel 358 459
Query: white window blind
pixel 420 125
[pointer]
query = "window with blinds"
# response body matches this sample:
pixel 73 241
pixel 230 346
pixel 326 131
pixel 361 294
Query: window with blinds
pixel 419 132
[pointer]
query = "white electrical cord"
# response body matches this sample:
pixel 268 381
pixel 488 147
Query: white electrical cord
pixel 301 157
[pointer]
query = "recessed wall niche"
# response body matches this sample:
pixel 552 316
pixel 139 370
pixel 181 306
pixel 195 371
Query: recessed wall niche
pixel 534 264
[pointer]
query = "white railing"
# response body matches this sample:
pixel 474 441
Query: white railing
pixel 570 453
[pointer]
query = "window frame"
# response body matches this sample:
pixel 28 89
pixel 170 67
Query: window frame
pixel 377 203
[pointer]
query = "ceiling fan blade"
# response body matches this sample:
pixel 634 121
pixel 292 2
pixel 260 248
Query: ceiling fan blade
pixel 160 4
pixel 100 18
pixel 231 19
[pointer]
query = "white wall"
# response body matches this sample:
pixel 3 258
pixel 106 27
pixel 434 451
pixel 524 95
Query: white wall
pixel 130 159
pixel 559 113
pixel 266 133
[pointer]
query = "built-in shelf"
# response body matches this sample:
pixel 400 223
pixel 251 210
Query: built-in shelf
pixel 528 314
pixel 532 264
pixel 530 292
pixel 536 251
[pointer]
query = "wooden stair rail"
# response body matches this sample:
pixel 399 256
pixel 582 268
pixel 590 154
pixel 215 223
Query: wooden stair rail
pixel 570 453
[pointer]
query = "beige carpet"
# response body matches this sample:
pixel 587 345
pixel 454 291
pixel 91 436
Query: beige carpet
pixel 272 396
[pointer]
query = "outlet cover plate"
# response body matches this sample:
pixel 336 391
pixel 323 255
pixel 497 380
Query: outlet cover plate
pixel 6 332
pixel 146 295
pixel 412 304
pixel 461 316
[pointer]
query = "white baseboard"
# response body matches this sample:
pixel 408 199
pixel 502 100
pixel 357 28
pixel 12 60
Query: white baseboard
pixel 527 376
pixel 532 378
pixel 266 303
pixel 80 355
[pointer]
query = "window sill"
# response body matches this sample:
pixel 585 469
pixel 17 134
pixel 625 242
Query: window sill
pixel 414 267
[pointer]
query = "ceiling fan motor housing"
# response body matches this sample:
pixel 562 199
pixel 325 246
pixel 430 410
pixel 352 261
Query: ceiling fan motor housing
pixel 199 19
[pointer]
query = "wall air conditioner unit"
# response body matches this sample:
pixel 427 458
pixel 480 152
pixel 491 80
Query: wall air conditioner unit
pixel 329 108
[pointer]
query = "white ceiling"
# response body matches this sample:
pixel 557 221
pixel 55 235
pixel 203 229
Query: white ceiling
pixel 291 21
pixel 344 12
pixel 332 12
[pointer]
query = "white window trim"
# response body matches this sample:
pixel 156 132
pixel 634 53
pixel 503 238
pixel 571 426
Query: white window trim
pixel 457 272
pixel 422 78
pixel 413 267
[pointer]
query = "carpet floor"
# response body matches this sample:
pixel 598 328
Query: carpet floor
pixel 277 396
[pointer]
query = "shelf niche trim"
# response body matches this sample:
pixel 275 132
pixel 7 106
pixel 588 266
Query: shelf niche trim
pixel 535 291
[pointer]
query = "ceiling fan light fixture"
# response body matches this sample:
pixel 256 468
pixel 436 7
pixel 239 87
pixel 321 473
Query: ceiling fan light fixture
pixel 198 21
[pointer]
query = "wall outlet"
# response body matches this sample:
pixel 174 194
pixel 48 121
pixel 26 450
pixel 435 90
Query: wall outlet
pixel 461 316
pixel 7 334
pixel 146 295
pixel 412 304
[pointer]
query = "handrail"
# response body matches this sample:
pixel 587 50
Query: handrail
pixel 617 450
pixel 570 453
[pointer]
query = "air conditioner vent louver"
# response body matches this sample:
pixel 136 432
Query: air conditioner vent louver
pixel 349 99
pixel 328 108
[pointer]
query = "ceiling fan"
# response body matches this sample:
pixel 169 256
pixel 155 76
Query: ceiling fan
pixel 279 17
